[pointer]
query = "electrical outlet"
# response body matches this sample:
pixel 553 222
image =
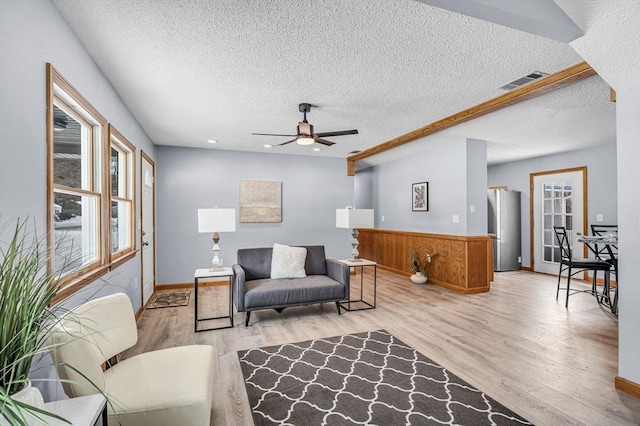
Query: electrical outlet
pixel 455 218
pixel 599 218
pixel 519 259
pixel 472 208
pixel 382 218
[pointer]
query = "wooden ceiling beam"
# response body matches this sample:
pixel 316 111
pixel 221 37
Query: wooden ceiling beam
pixel 536 88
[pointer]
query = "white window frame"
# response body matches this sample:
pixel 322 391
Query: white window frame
pixel 94 182
pixel 126 195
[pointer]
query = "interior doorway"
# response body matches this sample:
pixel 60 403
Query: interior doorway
pixel 558 198
pixel 148 226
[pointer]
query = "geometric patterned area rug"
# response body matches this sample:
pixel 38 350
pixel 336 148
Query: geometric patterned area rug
pixel 369 378
pixel 168 300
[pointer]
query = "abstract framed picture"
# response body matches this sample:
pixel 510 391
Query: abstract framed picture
pixel 260 202
pixel 420 197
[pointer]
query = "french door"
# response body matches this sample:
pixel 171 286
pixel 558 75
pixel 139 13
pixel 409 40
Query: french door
pixel 558 199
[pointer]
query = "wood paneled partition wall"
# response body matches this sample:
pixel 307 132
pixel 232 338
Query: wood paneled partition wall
pixel 464 264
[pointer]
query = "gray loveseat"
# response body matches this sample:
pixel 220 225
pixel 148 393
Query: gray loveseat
pixel 327 280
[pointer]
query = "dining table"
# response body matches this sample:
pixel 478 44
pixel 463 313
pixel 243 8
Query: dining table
pixel 610 243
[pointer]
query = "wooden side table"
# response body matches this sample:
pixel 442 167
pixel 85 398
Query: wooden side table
pixel 346 305
pixel 206 273
pixel 90 410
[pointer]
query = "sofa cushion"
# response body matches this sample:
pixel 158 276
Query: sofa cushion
pixel 316 262
pixel 296 291
pixel 256 262
pixel 288 262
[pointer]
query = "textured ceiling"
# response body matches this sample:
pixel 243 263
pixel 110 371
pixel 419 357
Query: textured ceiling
pixel 199 70
pixel 612 38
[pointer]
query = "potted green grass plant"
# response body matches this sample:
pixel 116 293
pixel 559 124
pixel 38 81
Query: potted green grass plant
pixel 26 322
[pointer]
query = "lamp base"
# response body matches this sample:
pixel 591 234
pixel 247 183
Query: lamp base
pixel 216 262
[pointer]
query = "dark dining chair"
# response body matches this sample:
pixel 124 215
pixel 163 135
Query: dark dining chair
pixel 574 266
pixel 608 253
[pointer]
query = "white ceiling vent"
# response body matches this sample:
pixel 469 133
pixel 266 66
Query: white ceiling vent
pixel 521 81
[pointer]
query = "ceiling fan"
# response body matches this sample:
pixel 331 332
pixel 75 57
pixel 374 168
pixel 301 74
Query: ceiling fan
pixel 305 135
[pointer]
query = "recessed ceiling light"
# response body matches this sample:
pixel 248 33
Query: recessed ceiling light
pixel 212 141
pixel 268 146
pixel 317 149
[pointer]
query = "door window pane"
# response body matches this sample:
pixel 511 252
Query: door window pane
pixel 569 222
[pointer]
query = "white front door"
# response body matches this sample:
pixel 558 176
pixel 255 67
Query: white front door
pixel 558 200
pixel 148 227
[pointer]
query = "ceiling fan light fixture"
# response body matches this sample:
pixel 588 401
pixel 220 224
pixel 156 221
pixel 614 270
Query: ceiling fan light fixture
pixel 305 140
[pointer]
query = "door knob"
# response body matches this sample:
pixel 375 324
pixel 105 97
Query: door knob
pixel 145 243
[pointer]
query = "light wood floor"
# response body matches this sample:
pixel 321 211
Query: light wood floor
pixel 552 365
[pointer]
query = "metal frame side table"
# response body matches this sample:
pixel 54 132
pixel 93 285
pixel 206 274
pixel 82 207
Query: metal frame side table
pixel 206 273
pixel 346 305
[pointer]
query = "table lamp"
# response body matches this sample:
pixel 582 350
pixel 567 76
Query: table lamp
pixel 354 219
pixel 216 220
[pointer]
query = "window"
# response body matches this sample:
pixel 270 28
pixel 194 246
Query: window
pixel 91 198
pixel 122 209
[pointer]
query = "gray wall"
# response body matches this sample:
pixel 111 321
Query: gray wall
pixel 628 130
pixel 364 189
pixel 455 169
pixel 476 204
pixel 33 33
pixel 601 183
pixel 188 179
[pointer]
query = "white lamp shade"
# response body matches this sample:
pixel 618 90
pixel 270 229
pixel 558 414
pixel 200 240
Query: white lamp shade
pixel 216 220
pixel 354 218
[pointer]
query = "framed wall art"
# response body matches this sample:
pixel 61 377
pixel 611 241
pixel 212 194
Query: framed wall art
pixel 420 197
pixel 260 202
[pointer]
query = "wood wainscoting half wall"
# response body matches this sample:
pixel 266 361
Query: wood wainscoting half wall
pixel 463 263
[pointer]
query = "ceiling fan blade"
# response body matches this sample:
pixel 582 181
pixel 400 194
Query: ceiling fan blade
pixel 284 143
pixel 338 133
pixel 323 141
pixel 271 134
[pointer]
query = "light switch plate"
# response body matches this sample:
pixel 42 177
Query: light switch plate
pixel 599 218
pixel 455 218
pixel 472 208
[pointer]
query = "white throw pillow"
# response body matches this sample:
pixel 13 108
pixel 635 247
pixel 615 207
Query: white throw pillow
pixel 288 262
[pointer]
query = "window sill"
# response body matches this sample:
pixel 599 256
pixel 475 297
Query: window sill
pixel 76 284
pixel 123 258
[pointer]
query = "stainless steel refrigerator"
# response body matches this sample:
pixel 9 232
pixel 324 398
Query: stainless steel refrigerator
pixel 504 226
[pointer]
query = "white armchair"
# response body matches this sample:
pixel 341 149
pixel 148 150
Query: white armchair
pixel 165 387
